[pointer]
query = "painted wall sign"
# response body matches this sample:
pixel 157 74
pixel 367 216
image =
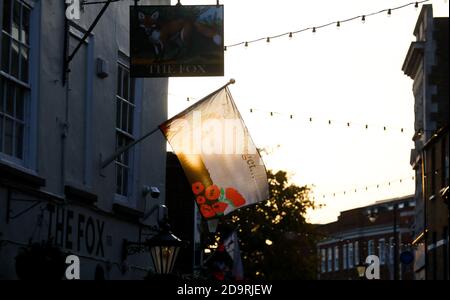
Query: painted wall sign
pixel 76 231
pixel 176 41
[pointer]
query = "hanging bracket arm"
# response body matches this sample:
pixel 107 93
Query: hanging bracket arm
pixel 86 35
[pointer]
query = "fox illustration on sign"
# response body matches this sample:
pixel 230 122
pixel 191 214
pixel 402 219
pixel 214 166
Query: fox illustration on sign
pixel 178 31
pixel 168 41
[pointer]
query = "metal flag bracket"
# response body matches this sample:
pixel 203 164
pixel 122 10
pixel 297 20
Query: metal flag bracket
pixel 109 160
pixel 69 57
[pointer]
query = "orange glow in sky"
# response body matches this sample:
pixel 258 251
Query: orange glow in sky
pixel 346 74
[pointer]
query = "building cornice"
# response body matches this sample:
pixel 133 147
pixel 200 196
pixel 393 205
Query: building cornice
pixel 413 59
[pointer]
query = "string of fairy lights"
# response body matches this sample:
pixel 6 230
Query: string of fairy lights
pixel 314 29
pixel 372 187
pixel 330 122
pixel 364 188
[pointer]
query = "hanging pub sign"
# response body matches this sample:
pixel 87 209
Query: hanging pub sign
pixel 176 41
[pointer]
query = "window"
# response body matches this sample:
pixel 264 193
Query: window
pixel 330 259
pixel 370 246
pixel 323 253
pixel 336 258
pixel 344 256
pixel 350 256
pixel 391 250
pixel 356 253
pixel 382 251
pixel 14 85
pixel 125 107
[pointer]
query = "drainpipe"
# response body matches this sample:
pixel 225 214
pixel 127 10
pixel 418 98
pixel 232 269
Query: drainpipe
pixel 65 124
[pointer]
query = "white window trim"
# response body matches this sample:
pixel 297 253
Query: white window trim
pixel 344 256
pixel 330 259
pixel 336 258
pixel 382 250
pixel 31 105
pixel 370 247
pixel 351 257
pixel 134 160
pixel 323 260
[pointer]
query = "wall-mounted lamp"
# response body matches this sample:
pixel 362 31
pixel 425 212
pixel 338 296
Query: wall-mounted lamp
pixel 163 248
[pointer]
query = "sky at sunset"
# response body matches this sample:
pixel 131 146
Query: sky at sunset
pixel 350 74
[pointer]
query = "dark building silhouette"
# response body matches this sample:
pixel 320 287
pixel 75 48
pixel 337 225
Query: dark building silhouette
pixel 427 64
pixel 183 215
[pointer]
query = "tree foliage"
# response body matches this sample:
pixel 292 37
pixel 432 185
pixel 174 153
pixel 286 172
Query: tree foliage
pixel 276 242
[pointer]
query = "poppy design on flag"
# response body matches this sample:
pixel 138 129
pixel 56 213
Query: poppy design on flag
pixel 217 154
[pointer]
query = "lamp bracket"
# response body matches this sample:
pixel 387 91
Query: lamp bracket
pixel 130 248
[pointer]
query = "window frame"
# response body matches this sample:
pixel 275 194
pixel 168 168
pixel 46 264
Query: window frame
pixel 350 255
pixel 336 258
pixel 330 259
pixel 382 250
pixel 344 256
pixel 125 160
pixel 134 87
pixel 371 247
pixel 323 266
pixel 18 84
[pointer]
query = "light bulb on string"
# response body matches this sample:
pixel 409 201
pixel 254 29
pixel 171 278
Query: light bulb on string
pixel 268 40
pixel 338 24
pixel 389 12
pixel 314 29
pixel 416 5
pixel 363 19
pixel 290 35
pixel 246 44
pixel 225 48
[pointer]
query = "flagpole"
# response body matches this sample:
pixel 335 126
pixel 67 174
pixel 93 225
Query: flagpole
pixel 232 81
pixel 125 148
pixel 106 162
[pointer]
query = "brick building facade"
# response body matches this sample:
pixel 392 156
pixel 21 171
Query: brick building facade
pixel 364 231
